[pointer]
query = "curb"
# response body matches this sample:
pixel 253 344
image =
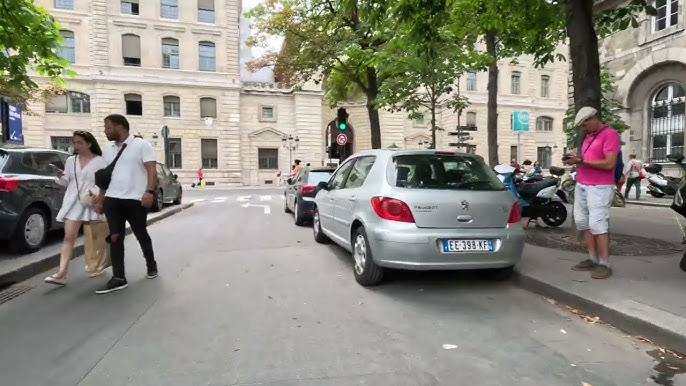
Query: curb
pixel 648 203
pixel 49 262
pixel 660 334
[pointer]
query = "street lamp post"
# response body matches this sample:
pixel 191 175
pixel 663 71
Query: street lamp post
pixel 290 143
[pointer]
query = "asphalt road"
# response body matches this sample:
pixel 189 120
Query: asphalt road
pixel 244 297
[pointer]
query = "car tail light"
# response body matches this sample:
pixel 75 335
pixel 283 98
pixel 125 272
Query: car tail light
pixel 515 213
pixel 392 209
pixel 445 153
pixel 306 189
pixel 8 184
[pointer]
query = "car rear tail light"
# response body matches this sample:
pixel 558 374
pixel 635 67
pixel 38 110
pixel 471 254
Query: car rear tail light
pixel 8 184
pixel 445 153
pixel 392 209
pixel 515 213
pixel 306 189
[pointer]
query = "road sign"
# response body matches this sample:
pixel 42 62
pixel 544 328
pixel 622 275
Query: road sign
pixel 164 132
pixel 341 139
pixel 466 128
pixel 459 144
pixel 520 121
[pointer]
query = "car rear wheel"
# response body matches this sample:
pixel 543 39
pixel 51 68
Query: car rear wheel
pixel 319 236
pixel 158 203
pixel 366 272
pixel 31 231
pixel 297 215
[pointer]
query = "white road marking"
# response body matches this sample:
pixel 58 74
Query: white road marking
pixel 217 200
pixel 221 198
pixel 197 200
pixel 267 209
pixel 265 198
pixel 243 198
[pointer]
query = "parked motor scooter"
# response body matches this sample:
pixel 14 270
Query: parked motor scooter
pixel 541 199
pixel 679 202
pixel 660 185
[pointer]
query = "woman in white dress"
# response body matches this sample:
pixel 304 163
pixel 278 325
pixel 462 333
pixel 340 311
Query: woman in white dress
pixel 79 177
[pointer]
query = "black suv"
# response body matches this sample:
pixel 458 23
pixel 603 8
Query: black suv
pixel 30 196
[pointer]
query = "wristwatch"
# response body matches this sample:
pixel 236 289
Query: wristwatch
pixel 150 191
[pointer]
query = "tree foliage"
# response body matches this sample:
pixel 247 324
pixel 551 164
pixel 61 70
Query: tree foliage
pixel 608 110
pixel 29 39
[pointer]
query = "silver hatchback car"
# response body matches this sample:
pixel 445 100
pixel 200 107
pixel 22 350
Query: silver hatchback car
pixel 419 210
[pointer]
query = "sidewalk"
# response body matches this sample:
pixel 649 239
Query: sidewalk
pixel 17 268
pixel 645 295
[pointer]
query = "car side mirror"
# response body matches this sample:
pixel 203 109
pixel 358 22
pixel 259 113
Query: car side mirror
pixel 323 185
pixel 176 177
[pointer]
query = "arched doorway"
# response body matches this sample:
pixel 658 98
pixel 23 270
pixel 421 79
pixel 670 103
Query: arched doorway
pixel 666 130
pixel 334 150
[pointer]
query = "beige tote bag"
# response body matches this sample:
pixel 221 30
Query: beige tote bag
pixel 95 247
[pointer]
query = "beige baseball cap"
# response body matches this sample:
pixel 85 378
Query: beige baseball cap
pixel 583 114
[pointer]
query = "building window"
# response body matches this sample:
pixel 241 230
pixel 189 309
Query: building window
pixel 667 14
pixel 64 4
pixel 545 86
pixel 134 104
pixel 172 106
pixel 419 120
pixel 175 153
pixel 131 50
pixel 544 124
pixel 471 119
pixel 267 113
pixel 206 11
pixel 62 144
pixel 130 7
pixel 516 78
pixel 267 159
pixel 667 122
pixel 208 108
pixel 471 81
pixel 170 9
pixel 514 154
pixel 207 56
pixel 67 50
pixel 544 156
pixel 69 102
pixel 208 153
pixel 170 53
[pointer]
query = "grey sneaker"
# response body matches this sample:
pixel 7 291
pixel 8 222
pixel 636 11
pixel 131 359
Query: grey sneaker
pixel 586 265
pixel 601 272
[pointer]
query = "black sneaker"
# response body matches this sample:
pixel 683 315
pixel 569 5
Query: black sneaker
pixel 152 271
pixel 115 284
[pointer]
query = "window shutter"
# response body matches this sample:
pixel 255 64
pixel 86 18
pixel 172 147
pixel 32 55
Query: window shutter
pixel 206 5
pixel 131 46
pixel 208 107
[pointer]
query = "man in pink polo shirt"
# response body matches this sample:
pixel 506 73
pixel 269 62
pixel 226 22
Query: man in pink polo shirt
pixel 595 184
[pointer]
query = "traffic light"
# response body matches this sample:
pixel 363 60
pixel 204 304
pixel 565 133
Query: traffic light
pixel 342 120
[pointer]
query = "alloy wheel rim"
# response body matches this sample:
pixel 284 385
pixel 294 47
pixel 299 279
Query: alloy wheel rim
pixel 34 229
pixel 315 223
pixel 295 211
pixel 360 254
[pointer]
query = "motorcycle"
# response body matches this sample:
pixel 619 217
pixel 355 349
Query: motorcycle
pixel 679 204
pixel 659 184
pixel 540 199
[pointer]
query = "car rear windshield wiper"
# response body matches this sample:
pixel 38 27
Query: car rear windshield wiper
pixel 472 184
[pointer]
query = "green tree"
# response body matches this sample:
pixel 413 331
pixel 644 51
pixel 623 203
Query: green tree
pixel 421 74
pixel 29 39
pixel 335 41
pixel 608 110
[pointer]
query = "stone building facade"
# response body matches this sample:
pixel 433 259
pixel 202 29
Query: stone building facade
pixel 542 93
pixel 649 66
pixel 181 64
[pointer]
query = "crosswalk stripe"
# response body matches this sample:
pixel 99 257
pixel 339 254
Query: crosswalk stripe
pixel 197 200
pixel 265 198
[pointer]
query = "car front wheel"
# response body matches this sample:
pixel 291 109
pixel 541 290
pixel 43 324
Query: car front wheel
pixel 319 236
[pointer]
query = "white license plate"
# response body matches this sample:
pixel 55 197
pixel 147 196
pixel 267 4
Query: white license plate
pixel 467 245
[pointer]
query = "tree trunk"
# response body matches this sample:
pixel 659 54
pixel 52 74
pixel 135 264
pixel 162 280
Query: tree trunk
pixel 372 111
pixel 583 51
pixel 492 107
pixel 433 125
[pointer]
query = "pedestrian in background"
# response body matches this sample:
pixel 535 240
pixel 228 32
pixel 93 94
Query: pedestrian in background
pixel 129 192
pixel 634 174
pixel 595 187
pixel 77 207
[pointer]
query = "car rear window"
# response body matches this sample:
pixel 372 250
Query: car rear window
pixel 313 178
pixel 438 171
pixel 4 156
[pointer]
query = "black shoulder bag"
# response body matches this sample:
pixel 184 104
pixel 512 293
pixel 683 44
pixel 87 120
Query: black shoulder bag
pixel 103 177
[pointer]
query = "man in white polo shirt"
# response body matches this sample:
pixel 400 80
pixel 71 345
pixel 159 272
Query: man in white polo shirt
pixel 130 192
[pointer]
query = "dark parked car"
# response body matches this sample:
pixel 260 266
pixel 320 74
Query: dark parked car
pixel 300 192
pixel 169 189
pixel 30 196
